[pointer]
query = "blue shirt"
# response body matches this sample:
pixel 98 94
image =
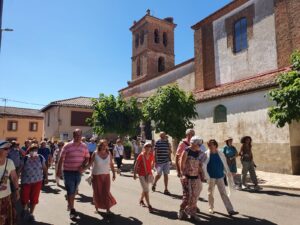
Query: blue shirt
pixel 229 151
pixel 215 167
pixel 92 146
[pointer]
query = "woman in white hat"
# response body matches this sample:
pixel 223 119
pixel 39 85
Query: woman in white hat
pixel 191 179
pixel 143 167
pixel 7 170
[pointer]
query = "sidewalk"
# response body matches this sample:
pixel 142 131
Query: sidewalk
pixel 265 179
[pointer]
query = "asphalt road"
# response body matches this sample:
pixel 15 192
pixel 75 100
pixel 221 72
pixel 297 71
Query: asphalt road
pixel 267 207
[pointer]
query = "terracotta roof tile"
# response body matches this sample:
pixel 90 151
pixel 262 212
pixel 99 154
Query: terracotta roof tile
pixel 258 82
pixel 14 111
pixel 82 102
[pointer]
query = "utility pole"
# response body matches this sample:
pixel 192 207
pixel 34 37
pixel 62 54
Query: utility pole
pixel 5 29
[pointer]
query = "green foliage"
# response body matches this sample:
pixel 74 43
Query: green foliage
pixel 287 95
pixel 115 115
pixel 171 109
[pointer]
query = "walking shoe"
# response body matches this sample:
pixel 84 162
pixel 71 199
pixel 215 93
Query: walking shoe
pixel 244 186
pixel 153 188
pixel 211 211
pixel 232 213
pixel 73 214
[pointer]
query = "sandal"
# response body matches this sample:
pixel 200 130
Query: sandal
pixel 142 203
pixel 150 208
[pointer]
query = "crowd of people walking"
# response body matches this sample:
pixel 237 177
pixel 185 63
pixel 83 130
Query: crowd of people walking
pixel 26 169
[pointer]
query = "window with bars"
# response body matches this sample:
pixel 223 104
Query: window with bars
pixel 33 126
pixel 220 114
pixel 12 125
pixel 240 35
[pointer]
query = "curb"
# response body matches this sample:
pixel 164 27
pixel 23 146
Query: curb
pixel 280 187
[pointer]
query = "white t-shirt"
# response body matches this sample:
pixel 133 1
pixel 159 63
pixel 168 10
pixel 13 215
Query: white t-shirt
pixel 118 151
pixel 5 186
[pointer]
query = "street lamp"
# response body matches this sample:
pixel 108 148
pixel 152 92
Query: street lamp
pixel 7 29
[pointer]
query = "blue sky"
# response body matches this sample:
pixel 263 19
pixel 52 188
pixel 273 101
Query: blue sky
pixel 67 48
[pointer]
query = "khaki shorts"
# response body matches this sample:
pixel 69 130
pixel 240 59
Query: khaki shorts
pixel 144 184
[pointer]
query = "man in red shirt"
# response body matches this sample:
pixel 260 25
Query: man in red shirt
pixel 74 160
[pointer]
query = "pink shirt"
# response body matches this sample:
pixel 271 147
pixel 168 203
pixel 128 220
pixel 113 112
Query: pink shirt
pixel 182 146
pixel 73 155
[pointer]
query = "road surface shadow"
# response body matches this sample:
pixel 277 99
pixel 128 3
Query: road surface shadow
pixel 271 192
pixel 226 219
pixel 175 196
pixel 163 213
pixel 111 219
pixel 47 189
pixel 84 198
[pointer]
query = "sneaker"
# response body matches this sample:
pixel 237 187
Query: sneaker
pixel 211 211
pixel 73 214
pixel 232 213
pixel 153 188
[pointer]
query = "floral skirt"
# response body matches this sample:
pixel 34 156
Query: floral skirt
pixel 7 211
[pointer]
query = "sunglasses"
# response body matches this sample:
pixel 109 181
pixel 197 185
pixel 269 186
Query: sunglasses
pixel 150 146
pixel 6 149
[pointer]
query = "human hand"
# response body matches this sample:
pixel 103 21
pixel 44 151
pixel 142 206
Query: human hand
pixel 114 177
pixel 134 176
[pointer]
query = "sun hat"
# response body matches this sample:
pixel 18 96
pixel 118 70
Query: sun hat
pixel 147 143
pixel 228 138
pixel 4 144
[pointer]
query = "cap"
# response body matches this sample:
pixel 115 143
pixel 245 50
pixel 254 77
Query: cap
pixel 4 144
pixel 147 143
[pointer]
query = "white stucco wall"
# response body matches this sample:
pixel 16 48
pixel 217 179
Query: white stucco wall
pixel 261 55
pixel 60 122
pixel 184 76
pixel 247 115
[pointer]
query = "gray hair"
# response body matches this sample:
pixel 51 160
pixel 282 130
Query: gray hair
pixel 190 130
pixel 196 140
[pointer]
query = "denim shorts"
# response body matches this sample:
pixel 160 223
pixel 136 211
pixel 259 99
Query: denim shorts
pixel 72 180
pixel 163 168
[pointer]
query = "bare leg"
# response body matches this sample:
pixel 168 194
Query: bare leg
pixel 166 181
pixel 71 201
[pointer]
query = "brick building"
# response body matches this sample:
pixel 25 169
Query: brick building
pixel 239 51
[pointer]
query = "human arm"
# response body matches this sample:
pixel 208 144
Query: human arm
pixel 136 167
pixel 182 163
pixel 15 180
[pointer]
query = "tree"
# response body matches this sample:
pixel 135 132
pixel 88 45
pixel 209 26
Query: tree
pixel 171 109
pixel 115 115
pixel 287 95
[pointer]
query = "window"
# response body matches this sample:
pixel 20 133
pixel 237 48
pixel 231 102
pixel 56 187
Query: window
pixel 33 126
pixel 79 118
pixel 142 34
pixel 165 39
pixel 240 35
pixel 220 114
pixel 161 64
pixel 138 67
pixel 137 40
pixel 12 125
pixel 156 36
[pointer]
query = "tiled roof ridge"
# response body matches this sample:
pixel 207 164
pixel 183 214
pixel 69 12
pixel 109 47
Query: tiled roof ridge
pixel 18 108
pixel 258 82
pixel 248 78
pixel 67 99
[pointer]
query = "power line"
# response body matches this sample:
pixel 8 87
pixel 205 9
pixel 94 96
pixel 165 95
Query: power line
pixel 18 101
